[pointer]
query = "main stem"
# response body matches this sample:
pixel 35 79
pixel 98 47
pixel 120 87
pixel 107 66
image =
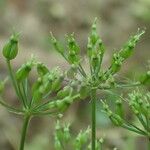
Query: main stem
pixel 24 131
pixel 93 101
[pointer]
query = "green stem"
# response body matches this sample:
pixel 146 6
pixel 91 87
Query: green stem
pixel 82 70
pixel 12 78
pixel 93 101
pixel 24 131
pixel 133 129
pixel 14 82
pixel 11 109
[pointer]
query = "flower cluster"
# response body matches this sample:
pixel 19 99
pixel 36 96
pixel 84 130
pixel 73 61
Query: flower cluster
pixel 63 139
pixel 95 77
pixel 43 96
pixel 139 104
pixel 49 94
pixel 98 78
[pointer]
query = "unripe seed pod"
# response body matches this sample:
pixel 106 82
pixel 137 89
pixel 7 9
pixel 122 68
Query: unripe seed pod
pixel 110 81
pixel 127 51
pixel 37 97
pixel 23 72
pixel 136 112
pixel 105 106
pixel 101 47
pixel 42 69
pixel 119 108
pixel 64 92
pixel 116 120
pixel 95 61
pixel 67 135
pixel 36 85
pixel 101 140
pixel 59 131
pixel 94 36
pixel 63 104
pixel 72 71
pixel 74 84
pixel 144 110
pixel 130 45
pixel 46 86
pixel 145 78
pixel 57 144
pixel 56 84
pixel 82 138
pixel 101 76
pixel 41 87
pixel 72 44
pixel 73 57
pixel 107 110
pixel 57 45
pixel 116 67
pixel 116 63
pixel 109 113
pixel 84 91
pixel 10 49
pixel 50 105
pixel 89 48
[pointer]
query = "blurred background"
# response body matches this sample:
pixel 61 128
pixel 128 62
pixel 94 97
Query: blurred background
pixel 117 20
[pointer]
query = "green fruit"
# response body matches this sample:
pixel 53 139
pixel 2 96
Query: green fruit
pixel 145 78
pixel 42 69
pixel 10 49
pixel 65 92
pixel 23 72
pixel 56 85
pixel 84 91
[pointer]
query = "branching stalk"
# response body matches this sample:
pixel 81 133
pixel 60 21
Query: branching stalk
pixel 24 131
pixel 17 90
pixel 93 101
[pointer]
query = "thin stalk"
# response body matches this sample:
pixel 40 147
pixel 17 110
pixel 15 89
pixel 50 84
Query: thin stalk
pixel 27 90
pixel 40 113
pixel 149 143
pixel 11 109
pixel 12 78
pixel 130 124
pixel 93 101
pixel 84 74
pixel 142 121
pixel 14 82
pixel 133 129
pixel 81 70
pixel 129 85
pixel 119 86
pixel 24 131
pixel 22 95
